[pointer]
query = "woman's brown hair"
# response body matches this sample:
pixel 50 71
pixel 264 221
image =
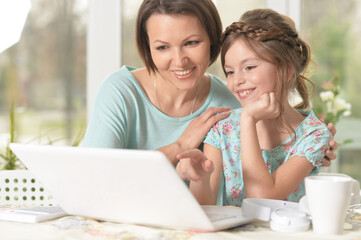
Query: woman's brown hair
pixel 204 10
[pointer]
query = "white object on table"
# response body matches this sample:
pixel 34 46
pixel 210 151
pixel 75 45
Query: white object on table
pixel 32 214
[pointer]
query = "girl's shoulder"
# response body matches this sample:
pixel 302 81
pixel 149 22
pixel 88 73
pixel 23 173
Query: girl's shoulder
pixel 232 120
pixel 312 120
pixel 312 125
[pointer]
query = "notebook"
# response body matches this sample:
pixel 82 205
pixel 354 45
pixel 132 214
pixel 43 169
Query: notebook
pixel 122 185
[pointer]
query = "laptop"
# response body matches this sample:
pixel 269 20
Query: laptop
pixel 122 185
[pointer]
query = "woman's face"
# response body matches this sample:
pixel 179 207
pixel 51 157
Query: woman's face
pixel 180 48
pixel 248 76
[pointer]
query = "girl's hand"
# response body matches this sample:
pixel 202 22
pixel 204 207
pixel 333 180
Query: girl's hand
pixel 266 107
pixel 198 128
pixel 194 166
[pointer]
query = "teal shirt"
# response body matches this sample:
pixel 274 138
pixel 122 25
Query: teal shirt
pixel 123 116
pixel 311 142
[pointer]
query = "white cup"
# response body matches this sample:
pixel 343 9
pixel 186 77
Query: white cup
pixel 328 198
pixel 355 194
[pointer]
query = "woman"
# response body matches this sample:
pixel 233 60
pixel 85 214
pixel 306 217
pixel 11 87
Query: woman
pixel 172 103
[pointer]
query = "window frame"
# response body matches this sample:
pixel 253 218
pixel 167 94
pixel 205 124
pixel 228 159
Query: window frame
pixel 103 45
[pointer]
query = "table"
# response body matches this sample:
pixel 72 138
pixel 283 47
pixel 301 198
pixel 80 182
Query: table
pixel 80 228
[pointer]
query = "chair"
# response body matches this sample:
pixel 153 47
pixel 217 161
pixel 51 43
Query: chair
pixel 19 187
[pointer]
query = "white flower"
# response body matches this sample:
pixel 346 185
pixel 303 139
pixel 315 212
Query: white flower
pixel 327 96
pixel 341 104
pixel 348 110
pixel 347 113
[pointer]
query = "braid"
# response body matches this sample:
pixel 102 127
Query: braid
pixel 263 35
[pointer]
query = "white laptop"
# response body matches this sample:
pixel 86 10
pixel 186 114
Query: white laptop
pixel 122 185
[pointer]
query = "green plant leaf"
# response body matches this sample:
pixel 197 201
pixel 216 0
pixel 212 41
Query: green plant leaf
pixel 347 141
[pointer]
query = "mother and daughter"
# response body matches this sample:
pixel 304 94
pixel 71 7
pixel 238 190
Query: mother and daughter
pixel 172 103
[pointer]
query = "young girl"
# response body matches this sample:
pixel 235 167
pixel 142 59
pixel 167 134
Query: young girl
pixel 267 148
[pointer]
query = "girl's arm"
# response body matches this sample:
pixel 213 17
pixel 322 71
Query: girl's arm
pixel 204 174
pixel 258 182
pixel 196 131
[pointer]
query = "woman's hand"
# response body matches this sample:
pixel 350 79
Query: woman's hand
pixel 330 155
pixel 266 107
pixel 198 128
pixel 194 166
pixel 194 134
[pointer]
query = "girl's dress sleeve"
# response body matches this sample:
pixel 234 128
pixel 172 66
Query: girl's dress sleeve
pixel 214 137
pixel 314 143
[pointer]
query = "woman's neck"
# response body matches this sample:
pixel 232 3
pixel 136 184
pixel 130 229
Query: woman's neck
pixel 181 103
pixel 168 98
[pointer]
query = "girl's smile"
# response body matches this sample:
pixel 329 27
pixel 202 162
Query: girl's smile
pixel 248 76
pixel 244 93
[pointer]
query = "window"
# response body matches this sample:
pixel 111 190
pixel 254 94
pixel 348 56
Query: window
pixel 333 30
pixel 44 74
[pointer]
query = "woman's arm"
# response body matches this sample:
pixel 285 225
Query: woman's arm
pixel 330 153
pixel 196 131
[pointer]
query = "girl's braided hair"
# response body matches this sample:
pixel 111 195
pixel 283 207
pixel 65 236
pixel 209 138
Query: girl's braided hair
pixel 274 38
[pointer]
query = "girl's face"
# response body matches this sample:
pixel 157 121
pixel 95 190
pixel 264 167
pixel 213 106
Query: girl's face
pixel 248 76
pixel 180 48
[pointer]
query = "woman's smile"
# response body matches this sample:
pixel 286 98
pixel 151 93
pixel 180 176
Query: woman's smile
pixel 181 56
pixel 183 74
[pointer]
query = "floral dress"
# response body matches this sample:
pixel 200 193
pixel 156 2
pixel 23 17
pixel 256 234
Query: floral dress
pixel 311 141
